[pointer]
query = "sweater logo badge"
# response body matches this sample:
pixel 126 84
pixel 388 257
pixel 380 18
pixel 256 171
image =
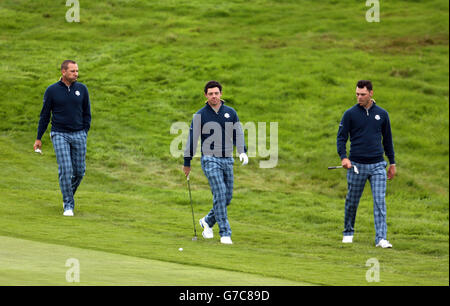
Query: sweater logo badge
pixel 227 115
pixel 77 93
pixel 377 117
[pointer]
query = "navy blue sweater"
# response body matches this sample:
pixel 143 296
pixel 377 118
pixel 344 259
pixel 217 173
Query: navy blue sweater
pixel 220 132
pixel 370 135
pixel 69 108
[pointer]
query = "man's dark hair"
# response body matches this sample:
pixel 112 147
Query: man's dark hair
pixel 212 84
pixel 364 83
pixel 66 63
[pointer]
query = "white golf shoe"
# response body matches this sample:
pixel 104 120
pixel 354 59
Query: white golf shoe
pixel 68 213
pixel 383 243
pixel 226 240
pixel 207 231
pixel 347 239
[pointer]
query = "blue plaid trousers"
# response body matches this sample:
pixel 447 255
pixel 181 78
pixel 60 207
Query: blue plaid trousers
pixel 219 172
pixel 70 150
pixel 376 174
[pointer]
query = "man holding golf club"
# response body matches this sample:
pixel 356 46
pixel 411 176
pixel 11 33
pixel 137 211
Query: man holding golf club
pixel 67 103
pixel 220 130
pixel 369 128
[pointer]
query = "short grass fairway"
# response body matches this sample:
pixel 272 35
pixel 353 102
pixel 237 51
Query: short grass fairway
pixel 24 262
pixel 294 63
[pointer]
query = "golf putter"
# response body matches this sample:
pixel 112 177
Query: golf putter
pixel 355 169
pixel 192 209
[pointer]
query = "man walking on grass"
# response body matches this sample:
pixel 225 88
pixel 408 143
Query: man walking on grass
pixel 67 103
pixel 220 131
pixel 369 129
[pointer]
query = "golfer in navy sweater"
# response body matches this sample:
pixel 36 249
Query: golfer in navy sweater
pixel 369 129
pixel 220 131
pixel 67 103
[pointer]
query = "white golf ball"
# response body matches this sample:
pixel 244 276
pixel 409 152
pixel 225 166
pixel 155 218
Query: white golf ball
pixel 180 249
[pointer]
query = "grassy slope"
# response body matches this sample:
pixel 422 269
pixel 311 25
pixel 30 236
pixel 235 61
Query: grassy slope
pixel 291 62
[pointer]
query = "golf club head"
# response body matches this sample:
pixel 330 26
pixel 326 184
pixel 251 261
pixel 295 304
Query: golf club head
pixel 194 239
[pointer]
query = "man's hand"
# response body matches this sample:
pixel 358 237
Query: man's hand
pixel 391 172
pixel 243 158
pixel 37 145
pixel 346 163
pixel 186 170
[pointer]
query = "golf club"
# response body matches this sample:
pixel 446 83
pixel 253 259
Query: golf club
pixel 355 169
pixel 192 209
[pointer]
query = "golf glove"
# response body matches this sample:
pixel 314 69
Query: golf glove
pixel 243 158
